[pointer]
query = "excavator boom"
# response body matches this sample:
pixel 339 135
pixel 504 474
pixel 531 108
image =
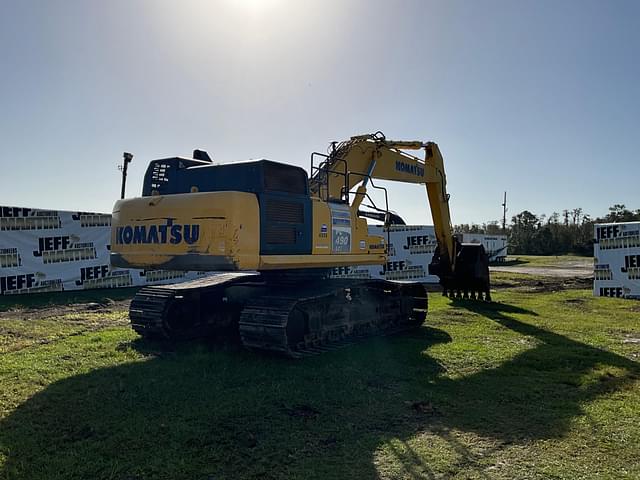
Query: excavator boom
pixel 463 269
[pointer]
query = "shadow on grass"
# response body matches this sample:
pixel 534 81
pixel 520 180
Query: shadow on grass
pixel 200 412
pixel 491 310
pixel 536 393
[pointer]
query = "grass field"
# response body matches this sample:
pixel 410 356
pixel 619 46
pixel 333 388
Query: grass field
pixel 545 383
pixel 550 261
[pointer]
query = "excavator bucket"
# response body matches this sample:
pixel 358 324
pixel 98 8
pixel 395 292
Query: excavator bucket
pixel 470 278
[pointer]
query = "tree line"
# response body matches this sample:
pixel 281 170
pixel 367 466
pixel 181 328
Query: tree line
pixel 559 233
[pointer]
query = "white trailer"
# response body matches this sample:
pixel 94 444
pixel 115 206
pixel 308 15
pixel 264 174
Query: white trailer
pixel 494 245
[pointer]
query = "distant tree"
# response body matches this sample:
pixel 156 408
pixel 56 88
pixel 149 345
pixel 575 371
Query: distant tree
pixel 469 228
pixel 620 213
pixel 538 235
pixel 568 232
pixel 462 228
pixel 492 228
pixel 576 215
pixel 523 229
pixel 543 241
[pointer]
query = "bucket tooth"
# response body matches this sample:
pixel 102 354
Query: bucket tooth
pixel 468 277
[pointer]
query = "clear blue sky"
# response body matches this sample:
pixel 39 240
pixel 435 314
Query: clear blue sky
pixel 541 98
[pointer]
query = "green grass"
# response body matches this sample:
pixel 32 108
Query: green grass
pixel 39 300
pixel 548 261
pixel 24 331
pixel 539 385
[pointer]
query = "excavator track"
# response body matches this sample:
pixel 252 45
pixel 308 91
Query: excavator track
pixel 325 316
pixel 290 318
pixel 186 310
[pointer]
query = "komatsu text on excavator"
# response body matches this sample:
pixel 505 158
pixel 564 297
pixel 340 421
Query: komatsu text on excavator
pixel 274 234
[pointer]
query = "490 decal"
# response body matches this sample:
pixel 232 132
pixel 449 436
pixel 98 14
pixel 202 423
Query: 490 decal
pixel 170 232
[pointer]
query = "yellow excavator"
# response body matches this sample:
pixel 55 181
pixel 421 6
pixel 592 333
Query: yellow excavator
pixel 274 235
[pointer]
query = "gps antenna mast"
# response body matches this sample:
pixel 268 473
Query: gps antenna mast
pixel 123 168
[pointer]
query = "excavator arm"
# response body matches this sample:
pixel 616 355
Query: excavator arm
pixel 462 268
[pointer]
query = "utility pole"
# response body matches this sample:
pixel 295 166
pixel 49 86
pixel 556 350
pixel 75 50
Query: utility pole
pixel 123 168
pixel 504 214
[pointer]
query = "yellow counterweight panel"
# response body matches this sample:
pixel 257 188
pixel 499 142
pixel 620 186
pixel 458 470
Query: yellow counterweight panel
pixel 194 231
pixel 221 231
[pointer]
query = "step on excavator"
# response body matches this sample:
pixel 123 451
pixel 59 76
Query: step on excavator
pixel 274 235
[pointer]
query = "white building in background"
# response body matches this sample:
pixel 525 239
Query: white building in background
pixel 616 257
pixel 494 245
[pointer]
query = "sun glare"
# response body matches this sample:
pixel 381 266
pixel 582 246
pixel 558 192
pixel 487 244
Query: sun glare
pixel 255 5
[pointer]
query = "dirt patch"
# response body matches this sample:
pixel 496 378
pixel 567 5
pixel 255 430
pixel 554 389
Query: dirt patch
pixel 503 284
pixel 576 302
pixel 567 270
pixel 566 275
pixel 580 304
pixel 539 285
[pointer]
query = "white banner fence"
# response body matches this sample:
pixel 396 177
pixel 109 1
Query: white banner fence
pixel 616 253
pixel 411 249
pixel 53 251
